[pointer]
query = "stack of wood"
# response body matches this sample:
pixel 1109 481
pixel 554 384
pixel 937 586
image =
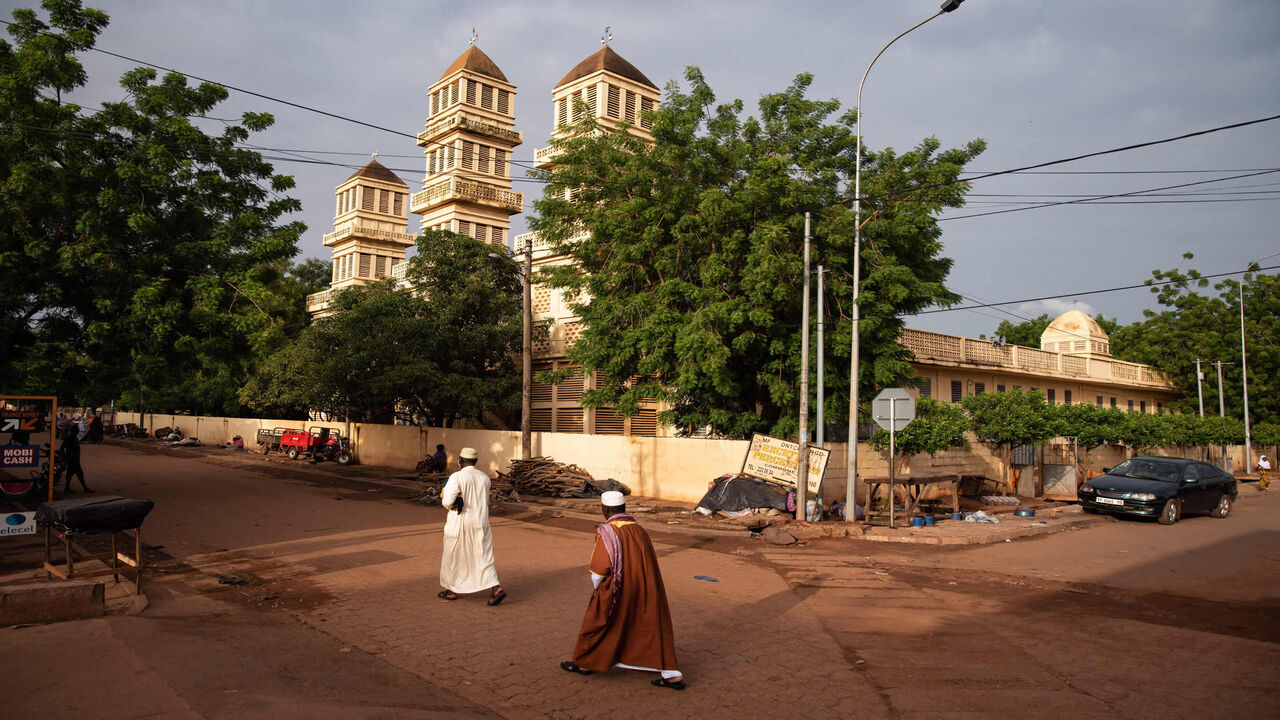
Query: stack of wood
pixel 544 476
pixel 500 490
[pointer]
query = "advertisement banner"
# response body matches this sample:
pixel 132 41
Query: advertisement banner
pixel 19 456
pixel 19 523
pixel 772 458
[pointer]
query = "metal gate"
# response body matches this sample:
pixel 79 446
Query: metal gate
pixel 1060 470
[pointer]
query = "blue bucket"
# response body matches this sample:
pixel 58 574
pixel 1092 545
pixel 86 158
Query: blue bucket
pixel 928 520
pixel 917 521
pixel 957 516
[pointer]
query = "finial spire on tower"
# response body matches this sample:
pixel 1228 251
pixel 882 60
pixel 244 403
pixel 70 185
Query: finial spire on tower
pixel 474 36
pixel 608 35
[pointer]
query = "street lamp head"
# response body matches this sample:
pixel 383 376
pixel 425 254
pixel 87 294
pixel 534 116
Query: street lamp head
pixel 950 5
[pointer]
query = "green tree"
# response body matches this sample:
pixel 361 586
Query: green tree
pixel 936 427
pixel 152 252
pixel 691 274
pixel 1010 418
pixel 440 350
pixel 1202 321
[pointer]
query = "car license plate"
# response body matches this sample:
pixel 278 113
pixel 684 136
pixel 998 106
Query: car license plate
pixel 1110 501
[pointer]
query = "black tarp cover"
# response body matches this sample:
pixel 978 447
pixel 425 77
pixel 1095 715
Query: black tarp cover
pixel 107 513
pixel 742 492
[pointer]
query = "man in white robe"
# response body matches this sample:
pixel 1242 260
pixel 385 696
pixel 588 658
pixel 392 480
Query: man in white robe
pixel 466 565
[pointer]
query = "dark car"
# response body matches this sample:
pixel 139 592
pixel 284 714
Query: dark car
pixel 1163 488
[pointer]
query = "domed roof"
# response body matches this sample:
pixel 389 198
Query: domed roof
pixel 1075 332
pixel 606 59
pixel 1079 324
pixel 477 62
pixel 377 171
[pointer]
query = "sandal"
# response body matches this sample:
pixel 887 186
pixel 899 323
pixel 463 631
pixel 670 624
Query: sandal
pixel 571 666
pixel 673 684
pixel 447 595
pixel 497 597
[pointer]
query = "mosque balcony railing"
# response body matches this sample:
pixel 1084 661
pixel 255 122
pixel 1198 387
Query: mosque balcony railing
pixel 938 348
pixel 355 229
pixel 463 122
pixel 545 157
pixel 541 245
pixel 457 190
pixel 318 302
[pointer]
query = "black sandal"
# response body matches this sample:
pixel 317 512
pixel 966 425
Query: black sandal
pixel 497 597
pixel 673 684
pixel 571 666
pixel 447 595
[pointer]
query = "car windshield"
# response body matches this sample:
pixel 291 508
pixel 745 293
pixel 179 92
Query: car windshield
pixel 1147 469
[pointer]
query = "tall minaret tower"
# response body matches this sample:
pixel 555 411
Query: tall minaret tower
pixel 369 230
pixel 468 141
pixel 614 92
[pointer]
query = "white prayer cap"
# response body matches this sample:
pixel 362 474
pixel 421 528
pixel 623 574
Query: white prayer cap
pixel 468 454
pixel 613 498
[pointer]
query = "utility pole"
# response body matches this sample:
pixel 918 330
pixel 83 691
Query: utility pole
pixel 1199 389
pixel 822 400
pixel 802 461
pixel 1222 411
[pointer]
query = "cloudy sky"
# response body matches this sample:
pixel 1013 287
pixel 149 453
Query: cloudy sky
pixel 1038 80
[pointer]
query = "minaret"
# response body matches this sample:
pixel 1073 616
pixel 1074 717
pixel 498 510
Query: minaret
pixel 468 140
pixel 614 92
pixel 369 230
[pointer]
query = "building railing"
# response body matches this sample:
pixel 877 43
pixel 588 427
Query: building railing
pixel 539 244
pixel 928 346
pixel 354 229
pixel 544 156
pixel 317 302
pixel 462 122
pixel 455 189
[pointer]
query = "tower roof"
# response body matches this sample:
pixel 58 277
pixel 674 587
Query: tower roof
pixel 477 62
pixel 377 171
pixel 606 59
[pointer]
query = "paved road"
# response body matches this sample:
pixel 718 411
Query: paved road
pixel 337 616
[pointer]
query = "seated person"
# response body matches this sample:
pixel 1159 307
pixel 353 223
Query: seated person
pixel 436 463
pixel 237 443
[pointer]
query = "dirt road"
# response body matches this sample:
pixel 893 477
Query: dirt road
pixel 282 594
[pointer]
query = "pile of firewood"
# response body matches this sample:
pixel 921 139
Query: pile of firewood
pixel 500 490
pixel 545 476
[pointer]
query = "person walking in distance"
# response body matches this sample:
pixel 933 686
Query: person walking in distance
pixel 627 624
pixel 1264 473
pixel 466 565
pixel 70 448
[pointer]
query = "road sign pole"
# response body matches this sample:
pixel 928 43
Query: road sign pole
pixel 893 432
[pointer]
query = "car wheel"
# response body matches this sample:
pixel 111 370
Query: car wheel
pixel 1171 511
pixel 1223 508
pixel 293 453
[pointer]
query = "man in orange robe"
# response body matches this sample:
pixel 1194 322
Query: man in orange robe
pixel 627 623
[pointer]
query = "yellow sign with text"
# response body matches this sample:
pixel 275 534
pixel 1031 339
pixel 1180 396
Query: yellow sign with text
pixel 772 458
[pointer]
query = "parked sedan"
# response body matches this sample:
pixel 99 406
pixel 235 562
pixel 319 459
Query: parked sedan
pixel 1163 488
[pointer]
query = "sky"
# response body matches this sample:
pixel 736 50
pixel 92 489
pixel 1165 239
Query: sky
pixel 1038 80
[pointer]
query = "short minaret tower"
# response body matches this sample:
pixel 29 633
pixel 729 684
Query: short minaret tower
pixel 468 141
pixel 370 224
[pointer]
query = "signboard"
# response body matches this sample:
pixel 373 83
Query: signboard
pixel 893 409
pixel 19 523
pixel 19 456
pixel 772 458
pixel 13 420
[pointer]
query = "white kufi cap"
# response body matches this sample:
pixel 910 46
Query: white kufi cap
pixel 613 498
pixel 468 454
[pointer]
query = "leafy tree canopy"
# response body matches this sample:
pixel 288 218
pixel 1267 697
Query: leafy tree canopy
pixel 439 350
pixel 153 255
pixel 690 278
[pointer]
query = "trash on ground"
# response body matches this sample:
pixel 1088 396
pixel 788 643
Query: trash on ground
pixel 229 580
pixel 1000 500
pixel 741 495
pixel 708 578
pixel 982 517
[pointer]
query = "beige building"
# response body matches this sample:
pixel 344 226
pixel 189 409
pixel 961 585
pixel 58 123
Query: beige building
pixel 1073 365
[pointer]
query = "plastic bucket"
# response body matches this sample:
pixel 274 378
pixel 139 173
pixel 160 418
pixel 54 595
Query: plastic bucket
pixel 957 516
pixel 928 520
pixel 917 521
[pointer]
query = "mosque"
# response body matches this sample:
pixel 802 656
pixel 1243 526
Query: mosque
pixel 468 141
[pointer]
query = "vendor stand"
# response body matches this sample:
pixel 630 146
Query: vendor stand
pixel 71 519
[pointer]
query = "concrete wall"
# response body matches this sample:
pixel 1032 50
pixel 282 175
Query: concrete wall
pixel 676 469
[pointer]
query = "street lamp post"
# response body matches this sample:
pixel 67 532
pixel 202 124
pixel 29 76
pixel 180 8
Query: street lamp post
pixel 851 485
pixel 1244 370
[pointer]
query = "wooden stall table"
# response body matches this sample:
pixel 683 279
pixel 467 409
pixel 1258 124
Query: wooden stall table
pixel 70 519
pixel 912 488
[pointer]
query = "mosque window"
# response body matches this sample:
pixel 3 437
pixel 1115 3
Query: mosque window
pixel 1142 406
pixel 435 102
pixel 1099 401
pixel 1113 402
pixel 450 159
pixel 1053 396
pixel 613 104
pixel 366 201
pixel 999 388
pixel 504 102
pixel 431 163
pixel 453 93
pixel 471 93
pixel 399 204
pixel 646 106
pixel 1080 345
pixel 562 112
pixel 486 97
pixel 364 264
pixel 484 159
pixel 926 388
pixel 1066 396
pixel 383 201
pixel 957 391
pixel 1130 406
pixel 591 99
pixel 468 155
pixel 464 227
pixel 631 107
pixel 482 232
pixel 979 388
pixel 499 162
pixel 577 106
